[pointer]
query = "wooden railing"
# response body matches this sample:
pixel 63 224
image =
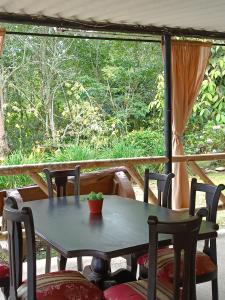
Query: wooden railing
pixel 33 170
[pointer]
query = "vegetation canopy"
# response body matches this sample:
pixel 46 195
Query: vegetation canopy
pixel 72 99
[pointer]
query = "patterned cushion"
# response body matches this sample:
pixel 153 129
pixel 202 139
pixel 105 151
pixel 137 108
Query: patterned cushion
pixel 143 260
pixel 4 270
pixel 137 290
pixel 165 260
pixel 62 285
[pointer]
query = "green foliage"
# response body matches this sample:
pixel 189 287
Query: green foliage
pixel 210 139
pixel 95 196
pixel 75 90
pixel 211 100
pixel 148 141
pixel 66 100
pixel 135 144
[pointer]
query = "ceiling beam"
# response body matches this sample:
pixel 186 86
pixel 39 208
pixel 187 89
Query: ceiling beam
pixel 108 27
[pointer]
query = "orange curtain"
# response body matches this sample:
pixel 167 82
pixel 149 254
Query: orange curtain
pixel 189 61
pixel 2 37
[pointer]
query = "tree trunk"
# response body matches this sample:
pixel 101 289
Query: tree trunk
pixel 4 148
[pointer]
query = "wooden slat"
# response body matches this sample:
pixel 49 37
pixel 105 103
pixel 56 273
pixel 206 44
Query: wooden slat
pixel 198 171
pixel 198 157
pixel 140 181
pixel 39 181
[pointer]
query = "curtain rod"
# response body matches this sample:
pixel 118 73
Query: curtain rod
pixel 91 37
pixel 83 37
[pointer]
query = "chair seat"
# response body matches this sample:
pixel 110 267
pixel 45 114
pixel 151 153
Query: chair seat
pixel 143 259
pixel 165 261
pixel 4 270
pixel 137 290
pixel 62 285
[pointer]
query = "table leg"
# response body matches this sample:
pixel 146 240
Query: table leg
pixel 99 273
pixel 62 262
pixel 48 259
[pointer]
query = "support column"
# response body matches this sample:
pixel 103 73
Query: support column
pixel 167 102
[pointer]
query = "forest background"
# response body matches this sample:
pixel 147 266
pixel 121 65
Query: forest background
pixel 73 99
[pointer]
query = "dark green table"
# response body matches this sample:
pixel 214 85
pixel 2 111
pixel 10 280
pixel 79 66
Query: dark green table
pixel 66 225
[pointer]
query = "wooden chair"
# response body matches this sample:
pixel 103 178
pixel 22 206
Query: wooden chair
pixel 208 257
pixel 57 285
pixel 153 289
pixel 206 260
pixel 163 182
pixel 60 180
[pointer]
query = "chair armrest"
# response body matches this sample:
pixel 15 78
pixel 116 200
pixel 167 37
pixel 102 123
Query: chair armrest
pixel 123 185
pixel 15 194
pixel 4 236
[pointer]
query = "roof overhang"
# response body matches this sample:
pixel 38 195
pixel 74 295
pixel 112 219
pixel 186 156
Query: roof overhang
pixel 202 18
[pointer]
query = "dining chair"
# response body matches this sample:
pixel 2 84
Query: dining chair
pixel 64 285
pixel 163 183
pixel 155 288
pixel 4 247
pixel 206 260
pixel 59 180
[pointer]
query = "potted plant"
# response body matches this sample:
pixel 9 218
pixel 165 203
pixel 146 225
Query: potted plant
pixel 95 201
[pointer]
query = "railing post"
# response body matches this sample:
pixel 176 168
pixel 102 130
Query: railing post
pixel 167 102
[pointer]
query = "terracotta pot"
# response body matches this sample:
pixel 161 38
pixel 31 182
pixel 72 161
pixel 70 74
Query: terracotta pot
pixel 95 206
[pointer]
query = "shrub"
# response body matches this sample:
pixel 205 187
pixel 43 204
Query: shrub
pixel 149 142
pixel 210 139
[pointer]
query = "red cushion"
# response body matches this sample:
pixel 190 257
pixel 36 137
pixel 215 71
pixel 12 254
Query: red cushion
pixel 137 290
pixel 143 260
pixel 4 270
pixel 204 264
pixel 62 285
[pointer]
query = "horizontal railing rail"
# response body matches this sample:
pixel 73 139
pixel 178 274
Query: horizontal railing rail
pixel 33 170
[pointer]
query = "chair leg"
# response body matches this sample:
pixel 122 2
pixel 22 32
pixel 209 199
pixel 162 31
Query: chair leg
pixel 5 290
pixel 79 264
pixel 215 295
pixel 62 263
pixel 143 272
pixel 48 260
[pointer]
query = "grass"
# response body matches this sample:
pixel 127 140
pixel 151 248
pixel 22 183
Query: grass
pixel 69 152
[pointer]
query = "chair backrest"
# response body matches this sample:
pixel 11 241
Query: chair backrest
pixel 59 179
pixel 15 218
pixel 184 240
pixel 212 194
pixel 163 186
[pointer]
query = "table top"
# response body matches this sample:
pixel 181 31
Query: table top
pixel 66 225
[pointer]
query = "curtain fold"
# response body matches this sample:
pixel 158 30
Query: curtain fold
pixel 2 37
pixel 189 61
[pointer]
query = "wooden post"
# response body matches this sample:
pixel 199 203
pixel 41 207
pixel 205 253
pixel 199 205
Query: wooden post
pixel 168 107
pixel 167 102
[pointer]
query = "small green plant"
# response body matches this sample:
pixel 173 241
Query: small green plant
pixel 95 196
